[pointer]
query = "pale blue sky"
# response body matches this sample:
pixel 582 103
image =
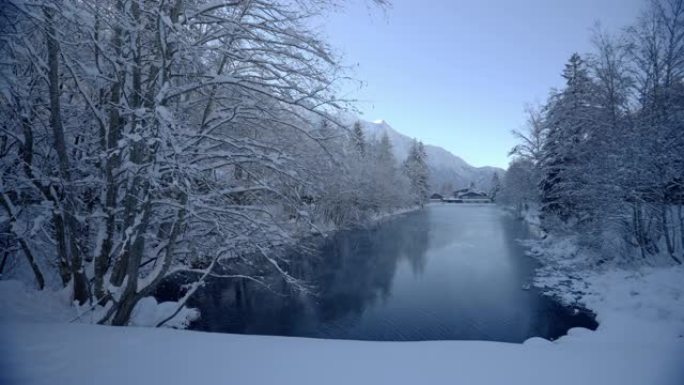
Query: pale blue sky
pixel 459 73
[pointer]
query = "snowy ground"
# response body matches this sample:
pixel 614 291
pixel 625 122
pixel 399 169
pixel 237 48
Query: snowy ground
pixel 84 354
pixel 640 341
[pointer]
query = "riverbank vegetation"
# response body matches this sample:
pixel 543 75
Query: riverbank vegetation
pixel 603 159
pixel 143 138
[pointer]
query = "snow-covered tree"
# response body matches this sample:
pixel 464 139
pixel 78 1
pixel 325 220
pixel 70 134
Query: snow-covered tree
pixel 571 118
pixel 610 159
pixel 359 139
pixel 519 187
pixel 141 139
pixel 496 186
pixel 416 169
pixel 532 139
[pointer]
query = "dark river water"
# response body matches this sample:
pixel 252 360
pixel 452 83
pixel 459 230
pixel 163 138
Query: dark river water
pixel 448 272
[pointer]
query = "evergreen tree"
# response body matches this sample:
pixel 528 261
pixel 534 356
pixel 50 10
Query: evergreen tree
pixel 570 121
pixel 384 152
pixel 415 168
pixel 496 186
pixel 386 189
pixel 359 139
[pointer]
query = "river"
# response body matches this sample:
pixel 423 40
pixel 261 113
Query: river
pixel 447 272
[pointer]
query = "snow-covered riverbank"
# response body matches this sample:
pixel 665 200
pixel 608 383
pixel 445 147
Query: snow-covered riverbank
pixel 639 341
pixel 85 354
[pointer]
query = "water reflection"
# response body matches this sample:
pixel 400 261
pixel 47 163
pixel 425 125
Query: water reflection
pixel 447 272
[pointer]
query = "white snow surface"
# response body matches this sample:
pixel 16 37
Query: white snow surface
pixel 640 341
pixel 21 304
pixel 86 354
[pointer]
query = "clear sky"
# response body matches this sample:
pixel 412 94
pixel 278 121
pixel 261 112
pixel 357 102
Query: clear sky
pixel 458 73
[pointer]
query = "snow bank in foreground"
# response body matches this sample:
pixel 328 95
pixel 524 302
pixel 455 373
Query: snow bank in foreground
pixel 19 303
pixel 73 354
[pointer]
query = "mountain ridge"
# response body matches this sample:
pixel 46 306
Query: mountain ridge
pixel 445 167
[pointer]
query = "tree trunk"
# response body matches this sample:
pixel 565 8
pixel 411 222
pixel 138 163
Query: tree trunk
pixel 669 240
pixel 81 292
pixel 681 229
pixel 108 141
pixel 137 157
pixel 11 212
pixel 5 257
pixel 26 153
pixel 131 295
pixel 638 229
